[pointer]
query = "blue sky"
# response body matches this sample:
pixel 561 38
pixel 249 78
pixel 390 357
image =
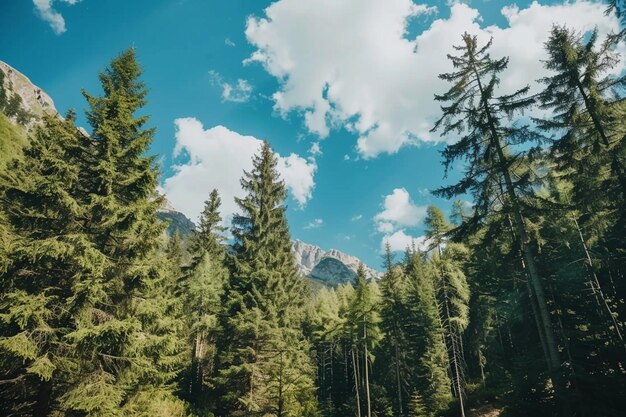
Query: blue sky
pixel 341 88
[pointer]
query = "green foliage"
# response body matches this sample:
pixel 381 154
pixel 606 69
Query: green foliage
pixel 266 366
pixel 13 139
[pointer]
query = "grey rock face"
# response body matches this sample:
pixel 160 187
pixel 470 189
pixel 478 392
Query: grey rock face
pixel 33 99
pixel 175 219
pixel 331 267
pixel 332 271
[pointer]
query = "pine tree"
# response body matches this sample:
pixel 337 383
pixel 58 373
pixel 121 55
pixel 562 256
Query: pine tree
pixel 427 349
pixel 416 406
pixel 364 321
pixel 125 341
pixel 585 108
pixel 48 255
pixel 474 111
pixel 453 299
pixel 393 315
pixel 266 364
pixel 452 293
pixel 201 287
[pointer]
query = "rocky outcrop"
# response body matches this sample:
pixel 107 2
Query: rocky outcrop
pixel 331 267
pixel 24 102
pixel 332 271
pixel 307 256
pixel 175 219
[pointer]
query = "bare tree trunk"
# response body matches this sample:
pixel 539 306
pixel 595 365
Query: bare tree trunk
pixel 457 370
pixel 597 289
pixel 356 385
pixel 366 371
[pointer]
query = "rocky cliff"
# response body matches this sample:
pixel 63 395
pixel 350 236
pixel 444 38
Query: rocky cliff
pixel 21 100
pixel 330 267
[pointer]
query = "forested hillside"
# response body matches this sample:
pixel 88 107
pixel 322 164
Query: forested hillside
pixel 513 306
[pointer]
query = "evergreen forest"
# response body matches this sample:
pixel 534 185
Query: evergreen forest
pixel 515 306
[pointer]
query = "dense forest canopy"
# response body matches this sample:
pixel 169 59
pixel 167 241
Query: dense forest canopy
pixel 514 306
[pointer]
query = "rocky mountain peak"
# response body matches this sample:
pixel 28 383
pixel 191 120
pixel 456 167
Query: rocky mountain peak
pixel 20 94
pixel 314 262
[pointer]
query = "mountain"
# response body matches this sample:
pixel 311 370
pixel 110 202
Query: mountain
pixel 22 104
pixel 176 219
pixel 329 267
pixel 21 100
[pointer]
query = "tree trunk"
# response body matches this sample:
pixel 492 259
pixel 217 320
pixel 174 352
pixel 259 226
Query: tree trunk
pixel 457 371
pixel 398 379
pixel 554 361
pixel 356 385
pixel 42 404
pixel 597 289
pixel 279 412
pixel 366 372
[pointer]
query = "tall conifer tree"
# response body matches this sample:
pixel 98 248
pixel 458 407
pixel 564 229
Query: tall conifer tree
pixel 202 287
pixel 474 111
pixel 48 256
pixel 267 368
pixel 126 343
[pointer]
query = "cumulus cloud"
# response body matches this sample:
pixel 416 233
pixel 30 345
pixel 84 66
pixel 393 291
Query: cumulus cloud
pixel 350 62
pixel 314 224
pixel 238 92
pixel 47 13
pixel 315 149
pixel 400 241
pixel 217 158
pixel 298 173
pixel 399 211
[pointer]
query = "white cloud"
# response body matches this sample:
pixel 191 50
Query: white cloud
pixel 400 241
pixel 356 218
pixel 229 42
pixel 217 158
pixel 49 14
pixel 314 224
pixel 298 173
pixel 385 227
pixel 349 62
pixel 239 92
pixel 315 149
pixel 399 211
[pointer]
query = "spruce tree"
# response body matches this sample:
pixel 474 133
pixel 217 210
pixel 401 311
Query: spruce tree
pixel 125 342
pixel 201 288
pixel 587 115
pixel 46 257
pixel 393 314
pixel 416 406
pixel 453 298
pixel 427 349
pixel 474 111
pixel 364 322
pixel 266 364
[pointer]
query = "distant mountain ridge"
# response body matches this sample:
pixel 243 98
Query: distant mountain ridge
pixel 320 265
pixel 176 220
